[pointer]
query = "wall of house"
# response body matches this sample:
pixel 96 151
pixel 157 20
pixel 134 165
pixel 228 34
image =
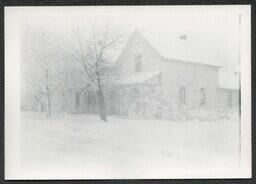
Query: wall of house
pixel 138 45
pixel 175 73
pixel 228 98
pixel 80 101
pixel 193 77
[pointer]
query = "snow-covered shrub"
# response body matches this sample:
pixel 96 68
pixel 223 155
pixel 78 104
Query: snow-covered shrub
pixel 153 104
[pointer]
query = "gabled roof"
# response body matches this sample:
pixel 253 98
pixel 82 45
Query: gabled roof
pixel 175 49
pixel 138 78
pixel 227 80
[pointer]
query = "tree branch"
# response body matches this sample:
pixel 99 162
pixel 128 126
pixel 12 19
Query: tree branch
pixel 98 59
pixel 83 58
pixel 95 43
pixel 70 53
pixel 38 99
pixel 56 87
pixel 37 86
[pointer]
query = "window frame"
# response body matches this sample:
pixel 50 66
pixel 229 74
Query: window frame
pixel 202 96
pixel 138 63
pixel 77 99
pixel 182 95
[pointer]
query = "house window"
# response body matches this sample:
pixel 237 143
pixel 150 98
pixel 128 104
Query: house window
pixel 77 99
pixel 88 99
pixel 138 64
pixel 202 96
pixel 112 102
pixel 112 96
pixel 230 99
pixel 91 106
pixel 182 94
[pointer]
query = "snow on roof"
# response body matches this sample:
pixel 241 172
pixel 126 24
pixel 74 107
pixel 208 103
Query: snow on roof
pixel 138 78
pixel 171 46
pixel 228 80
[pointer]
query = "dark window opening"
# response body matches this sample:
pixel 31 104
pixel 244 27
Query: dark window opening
pixel 182 94
pixel 91 102
pixel 112 102
pixel 138 64
pixel 88 99
pixel 112 96
pixel 77 99
pixel 203 96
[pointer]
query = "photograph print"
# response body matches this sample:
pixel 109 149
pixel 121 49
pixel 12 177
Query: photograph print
pixel 127 92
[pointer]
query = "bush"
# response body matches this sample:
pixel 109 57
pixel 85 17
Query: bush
pixel 153 105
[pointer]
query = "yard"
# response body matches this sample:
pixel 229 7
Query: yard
pixel 80 144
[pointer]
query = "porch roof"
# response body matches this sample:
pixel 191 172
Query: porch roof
pixel 138 78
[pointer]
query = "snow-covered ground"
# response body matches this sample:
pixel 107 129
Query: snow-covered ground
pixel 81 146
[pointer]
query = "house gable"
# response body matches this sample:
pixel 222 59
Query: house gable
pixel 138 48
pixel 138 45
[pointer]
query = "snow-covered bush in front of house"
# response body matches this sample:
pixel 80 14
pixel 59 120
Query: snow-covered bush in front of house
pixel 152 104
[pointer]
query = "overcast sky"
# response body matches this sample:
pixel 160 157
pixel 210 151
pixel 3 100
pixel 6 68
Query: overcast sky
pixel 212 31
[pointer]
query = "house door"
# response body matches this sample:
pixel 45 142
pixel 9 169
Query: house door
pixel 182 95
pixel 77 101
pixel 112 102
pixel 90 103
pixel 87 101
pixel 93 103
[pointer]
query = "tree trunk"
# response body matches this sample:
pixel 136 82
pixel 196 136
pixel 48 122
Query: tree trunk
pixel 49 113
pixel 39 104
pixel 102 107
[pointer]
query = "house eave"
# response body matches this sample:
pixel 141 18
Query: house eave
pixel 191 62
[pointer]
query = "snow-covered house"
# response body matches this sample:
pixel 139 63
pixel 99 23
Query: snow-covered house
pixel 142 68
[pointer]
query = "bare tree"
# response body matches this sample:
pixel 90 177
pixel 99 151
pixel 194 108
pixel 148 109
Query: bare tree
pixel 91 53
pixel 42 68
